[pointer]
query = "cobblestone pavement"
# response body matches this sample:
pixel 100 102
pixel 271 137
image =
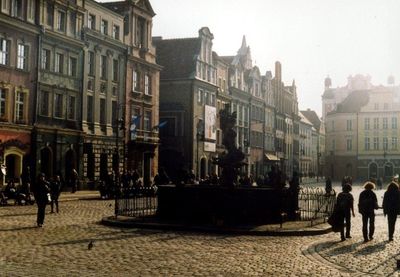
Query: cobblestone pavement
pixel 60 248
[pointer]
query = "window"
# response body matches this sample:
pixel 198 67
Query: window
pixel 90 85
pixel 2 103
pixel 376 106
pixel 394 122
pixel 376 143
pixel 376 123
pixel 115 70
pixel 135 81
pixel 72 23
pixel 92 21
pixel 46 59
pixel 103 111
pixel 385 106
pixel 116 31
pixel 16 8
pixel 141 33
pixel 72 66
pixel 147 85
pixel 200 96
pixel 103 67
pixel 147 121
pixel 385 123
pixel 333 145
pixel 349 125
pixel 44 103
pixel 19 106
pixel 4 51
pixel 333 125
pixel 71 107
pixel 59 62
pixel 366 144
pixel 50 14
pixel 91 63
pixel 366 123
pixel 31 9
pixel 394 143
pixel 89 108
pixel 22 62
pixel 58 105
pixel 61 21
pixel 114 113
pixel 385 143
pixel 206 98
pixel 104 27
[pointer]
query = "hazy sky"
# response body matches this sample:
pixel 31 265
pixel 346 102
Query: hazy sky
pixel 311 38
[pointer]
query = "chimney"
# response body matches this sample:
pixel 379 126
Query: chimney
pixel 278 71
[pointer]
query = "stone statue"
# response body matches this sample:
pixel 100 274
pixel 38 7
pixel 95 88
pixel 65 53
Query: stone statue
pixel 231 161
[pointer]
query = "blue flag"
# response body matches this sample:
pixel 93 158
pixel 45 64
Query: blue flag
pixel 160 125
pixel 135 120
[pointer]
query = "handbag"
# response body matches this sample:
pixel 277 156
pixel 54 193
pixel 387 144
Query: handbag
pixel 48 198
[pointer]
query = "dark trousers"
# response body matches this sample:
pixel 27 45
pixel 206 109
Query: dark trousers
pixel 347 218
pixel 54 201
pixel 41 212
pixel 371 218
pixel 391 223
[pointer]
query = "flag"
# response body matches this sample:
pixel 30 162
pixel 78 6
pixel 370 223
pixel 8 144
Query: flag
pixel 135 120
pixel 160 125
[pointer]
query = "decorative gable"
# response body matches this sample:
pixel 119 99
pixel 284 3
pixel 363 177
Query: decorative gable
pixel 146 6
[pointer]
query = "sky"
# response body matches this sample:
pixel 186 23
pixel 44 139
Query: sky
pixel 311 38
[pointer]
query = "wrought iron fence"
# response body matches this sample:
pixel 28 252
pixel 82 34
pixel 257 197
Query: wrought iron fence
pixel 315 203
pixel 136 202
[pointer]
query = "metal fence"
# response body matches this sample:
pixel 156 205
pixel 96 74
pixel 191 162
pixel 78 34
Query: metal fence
pixel 315 203
pixel 136 202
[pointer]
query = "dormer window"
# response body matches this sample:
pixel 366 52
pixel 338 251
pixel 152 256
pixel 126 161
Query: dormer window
pixel 141 33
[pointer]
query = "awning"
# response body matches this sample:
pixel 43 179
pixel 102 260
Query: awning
pixel 272 158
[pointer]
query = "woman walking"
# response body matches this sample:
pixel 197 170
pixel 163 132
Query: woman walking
pixel 367 203
pixel 345 205
pixel 391 206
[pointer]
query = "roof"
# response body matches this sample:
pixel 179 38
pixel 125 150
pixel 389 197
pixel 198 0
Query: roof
pixel 312 117
pixel 304 119
pixel 227 59
pixel 178 57
pixel 353 102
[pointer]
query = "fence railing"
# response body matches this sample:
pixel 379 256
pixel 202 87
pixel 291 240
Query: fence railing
pixel 137 202
pixel 315 203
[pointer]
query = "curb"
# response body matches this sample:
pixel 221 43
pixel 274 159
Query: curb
pixel 111 221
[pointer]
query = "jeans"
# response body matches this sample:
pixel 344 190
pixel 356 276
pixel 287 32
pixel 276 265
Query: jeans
pixel 371 218
pixel 392 217
pixel 41 212
pixel 347 218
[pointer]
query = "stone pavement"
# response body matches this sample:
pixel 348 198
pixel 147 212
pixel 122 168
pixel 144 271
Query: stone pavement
pixel 60 248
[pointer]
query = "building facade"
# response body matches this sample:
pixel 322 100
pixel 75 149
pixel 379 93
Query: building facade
pixel 188 91
pixel 18 67
pixel 362 135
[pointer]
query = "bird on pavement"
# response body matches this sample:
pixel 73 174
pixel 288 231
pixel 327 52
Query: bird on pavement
pixel 90 245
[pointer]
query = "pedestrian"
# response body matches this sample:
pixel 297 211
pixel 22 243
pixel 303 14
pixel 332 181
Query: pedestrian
pixel 55 190
pixel 391 206
pixel 345 206
pixel 40 191
pixel 74 179
pixel 379 182
pixel 328 186
pixel 367 204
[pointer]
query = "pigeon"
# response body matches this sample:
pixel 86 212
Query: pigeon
pixel 90 245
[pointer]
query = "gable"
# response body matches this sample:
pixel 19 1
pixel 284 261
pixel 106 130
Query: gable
pixel 146 6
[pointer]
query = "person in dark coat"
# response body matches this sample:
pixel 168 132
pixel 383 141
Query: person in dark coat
pixel 328 186
pixel 391 206
pixel 55 190
pixel 345 205
pixel 367 204
pixel 41 189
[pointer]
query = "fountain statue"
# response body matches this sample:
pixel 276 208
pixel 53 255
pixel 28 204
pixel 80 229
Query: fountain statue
pixel 233 159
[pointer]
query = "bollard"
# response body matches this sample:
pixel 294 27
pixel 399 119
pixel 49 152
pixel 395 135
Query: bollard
pixel 398 264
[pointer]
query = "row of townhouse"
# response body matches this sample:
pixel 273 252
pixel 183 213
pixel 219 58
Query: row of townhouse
pixel 72 75
pixel 196 83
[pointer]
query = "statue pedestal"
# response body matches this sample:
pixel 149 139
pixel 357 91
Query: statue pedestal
pixel 221 205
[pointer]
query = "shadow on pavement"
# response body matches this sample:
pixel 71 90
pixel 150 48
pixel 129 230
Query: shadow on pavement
pixel 12 215
pixel 19 228
pixel 371 249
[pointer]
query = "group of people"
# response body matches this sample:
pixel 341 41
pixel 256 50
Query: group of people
pixel 367 205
